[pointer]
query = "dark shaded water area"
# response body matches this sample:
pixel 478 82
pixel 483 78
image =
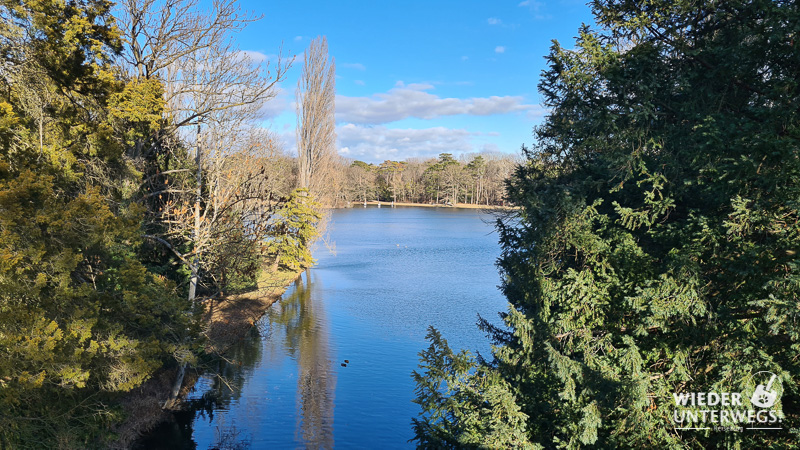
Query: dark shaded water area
pixel 393 272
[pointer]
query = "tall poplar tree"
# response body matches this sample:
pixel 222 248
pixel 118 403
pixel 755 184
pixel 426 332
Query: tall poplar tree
pixel 316 121
pixel 656 248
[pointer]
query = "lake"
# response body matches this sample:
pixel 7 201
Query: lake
pixel 388 275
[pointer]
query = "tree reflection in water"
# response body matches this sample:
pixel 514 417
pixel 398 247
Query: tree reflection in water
pixel 296 329
pixel 306 339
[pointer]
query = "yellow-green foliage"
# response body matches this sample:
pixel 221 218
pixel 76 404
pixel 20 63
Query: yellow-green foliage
pixel 294 230
pixel 77 309
pixel 138 109
pixel 81 318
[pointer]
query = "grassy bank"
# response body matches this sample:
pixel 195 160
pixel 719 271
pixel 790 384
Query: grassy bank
pixel 229 319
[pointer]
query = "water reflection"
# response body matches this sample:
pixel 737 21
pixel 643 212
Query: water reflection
pixel 215 393
pixel 395 272
pixel 293 330
pixel 223 387
pixel 306 338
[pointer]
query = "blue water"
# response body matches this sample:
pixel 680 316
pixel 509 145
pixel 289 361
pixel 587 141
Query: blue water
pixel 393 272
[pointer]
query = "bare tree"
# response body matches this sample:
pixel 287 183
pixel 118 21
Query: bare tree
pixel 238 201
pixel 216 90
pixel 360 182
pixel 207 82
pixel 227 221
pixel 316 121
pixel 193 53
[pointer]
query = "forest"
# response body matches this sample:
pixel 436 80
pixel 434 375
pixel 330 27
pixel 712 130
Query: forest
pixel 652 250
pixel 477 179
pixel 138 189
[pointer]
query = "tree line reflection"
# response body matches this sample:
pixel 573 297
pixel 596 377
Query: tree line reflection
pixel 296 328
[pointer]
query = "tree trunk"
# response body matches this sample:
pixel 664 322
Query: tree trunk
pixel 172 402
pixel 276 262
pixel 176 387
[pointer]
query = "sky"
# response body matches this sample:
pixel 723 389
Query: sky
pixel 419 78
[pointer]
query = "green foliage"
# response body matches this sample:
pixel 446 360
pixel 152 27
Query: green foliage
pixel 437 176
pixel 655 251
pixel 294 230
pixel 477 166
pixel 82 320
pixel 388 182
pixel 137 110
pixel 363 165
pixel 467 406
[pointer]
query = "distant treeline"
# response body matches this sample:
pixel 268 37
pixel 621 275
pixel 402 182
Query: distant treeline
pixel 473 178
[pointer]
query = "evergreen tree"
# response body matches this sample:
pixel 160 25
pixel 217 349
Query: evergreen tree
pixel 293 230
pixel 655 251
pixel 81 318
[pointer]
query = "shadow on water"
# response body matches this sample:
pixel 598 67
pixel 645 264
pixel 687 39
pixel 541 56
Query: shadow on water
pixel 293 329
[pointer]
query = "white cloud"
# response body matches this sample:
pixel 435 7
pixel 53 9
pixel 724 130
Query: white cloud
pixel 357 66
pixel 535 8
pixel 413 100
pixel 494 21
pixel 275 106
pixel 253 56
pixel 536 112
pixel 359 82
pixel 298 38
pixel 499 49
pixel 287 138
pixel 377 144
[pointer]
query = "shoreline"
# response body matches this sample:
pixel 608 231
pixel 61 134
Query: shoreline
pixel 429 205
pixel 227 321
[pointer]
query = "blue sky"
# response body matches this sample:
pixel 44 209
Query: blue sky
pixel 415 78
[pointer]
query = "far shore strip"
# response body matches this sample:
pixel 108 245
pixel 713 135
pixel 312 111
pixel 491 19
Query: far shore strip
pixel 428 205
